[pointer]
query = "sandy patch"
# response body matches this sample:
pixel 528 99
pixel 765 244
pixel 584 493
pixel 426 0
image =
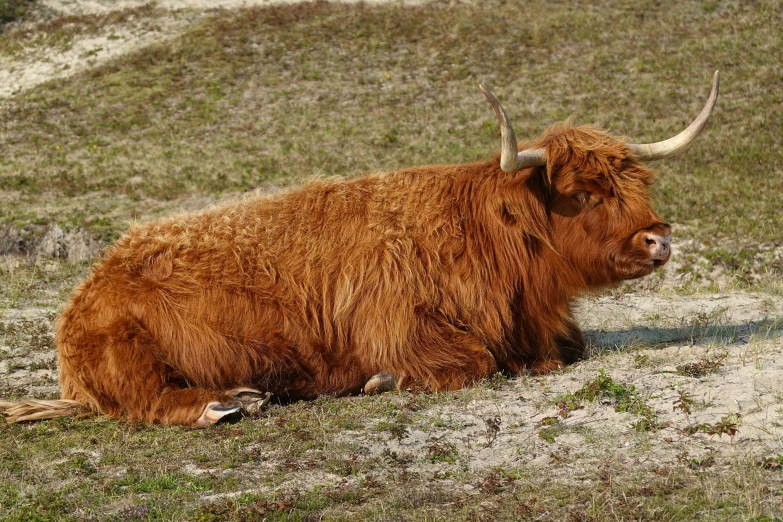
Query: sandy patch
pixel 104 6
pixel 35 64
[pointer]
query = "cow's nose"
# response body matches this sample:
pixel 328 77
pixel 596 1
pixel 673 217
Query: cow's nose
pixel 659 246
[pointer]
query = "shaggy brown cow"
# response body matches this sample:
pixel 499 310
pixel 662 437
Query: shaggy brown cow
pixel 438 275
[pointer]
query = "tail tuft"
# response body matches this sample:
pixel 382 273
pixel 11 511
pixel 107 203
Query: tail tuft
pixel 38 409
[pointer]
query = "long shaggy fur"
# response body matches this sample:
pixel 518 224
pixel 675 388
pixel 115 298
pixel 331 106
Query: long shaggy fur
pixel 438 275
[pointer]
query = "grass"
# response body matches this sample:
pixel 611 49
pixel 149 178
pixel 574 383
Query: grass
pixel 268 96
pixel 323 459
pixel 99 469
pixel 602 387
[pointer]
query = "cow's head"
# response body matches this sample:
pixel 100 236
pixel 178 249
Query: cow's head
pixel 596 193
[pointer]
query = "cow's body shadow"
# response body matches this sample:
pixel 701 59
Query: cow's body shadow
pixel 614 340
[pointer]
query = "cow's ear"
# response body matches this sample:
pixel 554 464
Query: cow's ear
pixel 521 202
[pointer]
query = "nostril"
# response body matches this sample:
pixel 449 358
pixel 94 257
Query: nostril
pixel 658 246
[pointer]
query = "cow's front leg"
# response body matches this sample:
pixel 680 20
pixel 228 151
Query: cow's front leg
pixel 544 347
pixel 572 345
pixel 566 349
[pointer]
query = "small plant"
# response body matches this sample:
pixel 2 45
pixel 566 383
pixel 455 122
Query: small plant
pixel 398 428
pixel 392 457
pixel 441 451
pixel 772 463
pixel 604 386
pixel 624 397
pixel 495 482
pixel 496 381
pixel 648 422
pixel 684 403
pixel 551 428
pixel 493 428
pixel 640 360
pixel 414 403
pixel 567 403
pixel 704 366
pixel 133 513
pixel 16 365
pixel 249 508
pixel 43 365
pixel 705 461
pixel 728 425
pixel 83 465
pixel 604 474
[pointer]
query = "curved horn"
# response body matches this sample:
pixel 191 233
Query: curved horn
pixel 510 160
pixel 675 145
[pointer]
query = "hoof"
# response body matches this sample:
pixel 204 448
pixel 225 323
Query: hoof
pixel 257 404
pixel 380 383
pixel 252 400
pixel 245 393
pixel 219 412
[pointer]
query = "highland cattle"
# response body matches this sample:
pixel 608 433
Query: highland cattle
pixel 436 276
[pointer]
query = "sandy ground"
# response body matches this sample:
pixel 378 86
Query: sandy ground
pixel 97 6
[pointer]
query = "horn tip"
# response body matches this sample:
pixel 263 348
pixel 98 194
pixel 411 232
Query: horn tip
pixel 492 100
pixel 487 92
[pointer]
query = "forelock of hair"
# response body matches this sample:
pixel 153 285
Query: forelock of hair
pixel 594 153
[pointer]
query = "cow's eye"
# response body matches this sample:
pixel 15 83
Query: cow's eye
pixel 582 197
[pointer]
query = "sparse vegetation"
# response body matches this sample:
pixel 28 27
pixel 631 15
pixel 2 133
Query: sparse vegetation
pixel 493 428
pixel 704 366
pixel 439 450
pixel 773 463
pixel 550 428
pixel 624 397
pixel 728 425
pixel 684 403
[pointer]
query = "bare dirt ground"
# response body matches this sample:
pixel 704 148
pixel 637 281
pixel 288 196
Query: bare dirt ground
pixel 707 367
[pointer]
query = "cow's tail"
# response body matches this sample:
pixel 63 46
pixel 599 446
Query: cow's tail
pixel 39 409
